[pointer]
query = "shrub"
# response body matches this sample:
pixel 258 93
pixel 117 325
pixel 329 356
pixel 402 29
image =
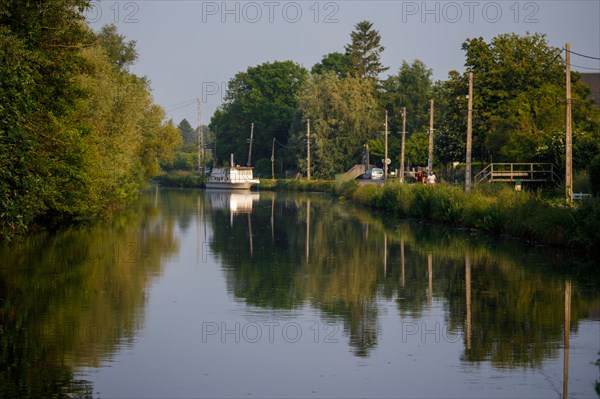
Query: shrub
pixel 594 175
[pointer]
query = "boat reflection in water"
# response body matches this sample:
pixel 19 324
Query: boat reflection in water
pixel 236 202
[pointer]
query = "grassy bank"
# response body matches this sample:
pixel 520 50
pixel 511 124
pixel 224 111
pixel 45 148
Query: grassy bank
pixel 180 178
pixel 497 210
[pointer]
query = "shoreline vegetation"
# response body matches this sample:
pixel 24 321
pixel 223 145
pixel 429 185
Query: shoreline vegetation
pixel 494 209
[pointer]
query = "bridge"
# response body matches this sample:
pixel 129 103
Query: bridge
pixel 511 172
pixel 353 173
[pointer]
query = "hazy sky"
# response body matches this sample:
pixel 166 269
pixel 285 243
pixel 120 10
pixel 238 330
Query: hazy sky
pixel 190 49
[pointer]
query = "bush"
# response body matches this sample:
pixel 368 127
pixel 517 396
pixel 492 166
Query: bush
pixel 594 175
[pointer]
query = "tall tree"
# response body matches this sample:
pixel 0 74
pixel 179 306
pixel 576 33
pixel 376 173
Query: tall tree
pixel 188 134
pixel 265 95
pixel 364 51
pixel 411 87
pixel 344 115
pixel 78 133
pixel 333 62
pixel 121 52
pixel 518 101
pixel 39 56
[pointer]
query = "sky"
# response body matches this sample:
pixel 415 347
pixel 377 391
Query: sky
pixel 190 49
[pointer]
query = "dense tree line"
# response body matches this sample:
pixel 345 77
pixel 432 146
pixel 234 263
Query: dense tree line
pixel 79 133
pixel 519 108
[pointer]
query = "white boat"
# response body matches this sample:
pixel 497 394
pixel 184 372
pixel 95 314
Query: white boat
pixel 232 177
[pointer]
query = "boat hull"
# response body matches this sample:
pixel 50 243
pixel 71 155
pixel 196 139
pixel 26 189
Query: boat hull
pixel 224 185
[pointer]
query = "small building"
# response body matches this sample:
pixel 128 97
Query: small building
pixel 592 80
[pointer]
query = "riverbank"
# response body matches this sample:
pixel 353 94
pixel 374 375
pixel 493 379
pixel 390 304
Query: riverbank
pixel 180 179
pixel 493 209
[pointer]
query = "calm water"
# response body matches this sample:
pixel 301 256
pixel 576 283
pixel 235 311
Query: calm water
pixel 214 294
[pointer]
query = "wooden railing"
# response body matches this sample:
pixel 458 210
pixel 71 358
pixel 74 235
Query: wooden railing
pixel 525 172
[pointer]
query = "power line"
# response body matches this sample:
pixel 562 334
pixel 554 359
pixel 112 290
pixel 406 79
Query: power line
pixel 180 105
pixel 583 55
pixel 582 67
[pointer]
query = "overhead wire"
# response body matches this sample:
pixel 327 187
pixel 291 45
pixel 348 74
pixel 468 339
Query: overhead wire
pixel 583 55
pixel 582 67
pixel 180 105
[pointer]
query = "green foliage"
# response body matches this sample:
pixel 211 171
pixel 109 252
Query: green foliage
pixel 412 88
pixel 79 134
pixel 518 104
pixel 188 134
pixel 343 115
pixel 417 149
pixel 121 53
pixel 495 210
pixel 337 63
pixel 265 95
pixel 180 178
pixel 365 51
pixel 594 175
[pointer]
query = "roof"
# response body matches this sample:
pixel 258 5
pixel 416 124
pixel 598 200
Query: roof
pixel 592 80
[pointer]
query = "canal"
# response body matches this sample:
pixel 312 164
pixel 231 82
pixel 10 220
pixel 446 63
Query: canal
pixel 220 294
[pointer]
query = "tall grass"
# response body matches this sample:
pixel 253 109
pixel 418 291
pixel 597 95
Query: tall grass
pixel 180 178
pixel 493 209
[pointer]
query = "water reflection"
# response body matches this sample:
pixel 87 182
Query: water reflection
pixel 343 261
pixel 71 298
pixel 77 297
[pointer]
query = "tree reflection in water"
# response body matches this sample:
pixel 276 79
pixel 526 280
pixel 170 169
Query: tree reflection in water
pixel 72 298
pixel 342 260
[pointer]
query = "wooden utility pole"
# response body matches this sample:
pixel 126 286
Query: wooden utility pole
pixel 273 160
pixel 569 144
pixel 251 140
pixel 385 160
pixel 402 146
pixel 200 141
pixel 469 134
pixel 430 158
pixel 308 149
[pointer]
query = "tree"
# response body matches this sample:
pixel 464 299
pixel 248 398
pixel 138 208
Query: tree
pixel 188 134
pixel 79 134
pixel 122 53
pixel 344 115
pixel 364 52
pixel 265 95
pixel 518 103
pixel 39 56
pixel 333 62
pixel 411 87
pixel 416 151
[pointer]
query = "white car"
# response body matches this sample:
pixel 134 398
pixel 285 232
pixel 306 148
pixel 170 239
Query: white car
pixel 374 174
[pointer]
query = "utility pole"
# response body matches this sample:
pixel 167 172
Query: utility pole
pixel 385 161
pixel 308 149
pixel 430 158
pixel 273 160
pixel 469 134
pixel 402 147
pixel 569 144
pixel 200 141
pixel 250 148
